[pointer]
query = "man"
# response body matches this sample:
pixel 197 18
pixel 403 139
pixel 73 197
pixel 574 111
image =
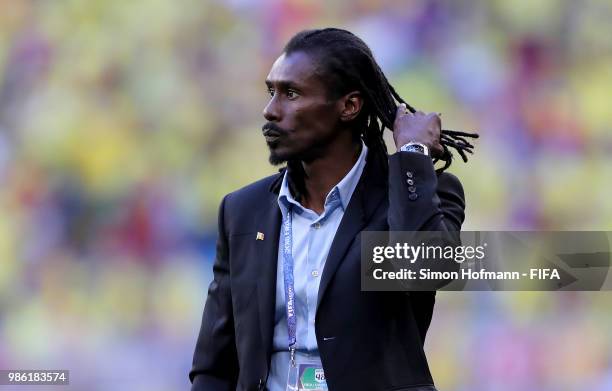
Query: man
pixel 286 294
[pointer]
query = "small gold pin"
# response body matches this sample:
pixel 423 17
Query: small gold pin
pixel 260 236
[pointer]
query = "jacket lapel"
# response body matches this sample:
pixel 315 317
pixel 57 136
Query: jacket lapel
pixel 269 219
pixel 370 191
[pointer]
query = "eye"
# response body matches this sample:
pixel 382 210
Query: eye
pixel 291 94
pixel 271 91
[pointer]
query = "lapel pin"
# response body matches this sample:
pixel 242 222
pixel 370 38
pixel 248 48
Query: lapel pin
pixel 260 236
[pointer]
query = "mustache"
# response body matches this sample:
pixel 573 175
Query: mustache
pixel 271 129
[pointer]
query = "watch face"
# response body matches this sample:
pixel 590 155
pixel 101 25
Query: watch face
pixel 414 148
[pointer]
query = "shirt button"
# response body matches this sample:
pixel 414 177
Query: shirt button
pixel 316 225
pixel 411 189
pixel 409 174
pixel 410 182
pixel 412 196
pixel 315 273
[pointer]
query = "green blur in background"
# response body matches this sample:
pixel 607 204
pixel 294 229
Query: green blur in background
pixel 123 123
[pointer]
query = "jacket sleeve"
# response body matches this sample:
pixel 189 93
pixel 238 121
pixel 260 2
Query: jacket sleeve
pixel 215 361
pixel 430 203
pixel 421 200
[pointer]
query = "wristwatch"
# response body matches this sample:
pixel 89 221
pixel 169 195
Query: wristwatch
pixel 415 147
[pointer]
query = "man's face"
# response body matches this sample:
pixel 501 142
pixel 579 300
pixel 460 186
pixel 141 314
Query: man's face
pixel 301 118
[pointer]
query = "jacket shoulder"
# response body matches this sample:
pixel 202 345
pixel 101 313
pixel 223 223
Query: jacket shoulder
pixel 252 194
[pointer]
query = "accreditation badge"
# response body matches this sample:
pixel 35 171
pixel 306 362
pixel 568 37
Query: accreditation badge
pixel 306 376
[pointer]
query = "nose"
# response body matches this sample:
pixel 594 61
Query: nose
pixel 271 112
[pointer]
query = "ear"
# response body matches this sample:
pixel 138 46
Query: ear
pixel 350 106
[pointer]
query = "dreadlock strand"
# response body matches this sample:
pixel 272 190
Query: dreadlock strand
pixel 460 133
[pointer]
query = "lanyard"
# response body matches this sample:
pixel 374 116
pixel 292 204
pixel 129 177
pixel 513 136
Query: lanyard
pixel 289 284
pixel 334 202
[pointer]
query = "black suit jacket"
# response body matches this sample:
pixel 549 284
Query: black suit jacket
pixel 379 336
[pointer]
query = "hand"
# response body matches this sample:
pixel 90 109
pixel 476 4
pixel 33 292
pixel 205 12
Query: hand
pixel 417 127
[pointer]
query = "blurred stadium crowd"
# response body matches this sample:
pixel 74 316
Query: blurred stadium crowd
pixel 123 123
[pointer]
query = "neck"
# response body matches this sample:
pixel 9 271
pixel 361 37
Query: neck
pixel 325 172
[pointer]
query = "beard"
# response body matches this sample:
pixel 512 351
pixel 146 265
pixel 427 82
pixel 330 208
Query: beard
pixel 276 159
pixel 287 149
pixel 280 156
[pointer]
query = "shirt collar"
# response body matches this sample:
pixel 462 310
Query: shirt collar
pixel 344 189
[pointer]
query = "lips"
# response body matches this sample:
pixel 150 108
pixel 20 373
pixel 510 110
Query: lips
pixel 271 139
pixel 271 136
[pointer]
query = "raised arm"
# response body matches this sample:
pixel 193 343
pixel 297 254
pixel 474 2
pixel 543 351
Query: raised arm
pixel 420 200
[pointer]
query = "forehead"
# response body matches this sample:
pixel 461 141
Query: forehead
pixel 296 68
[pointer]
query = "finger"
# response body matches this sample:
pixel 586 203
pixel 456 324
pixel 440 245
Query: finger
pixel 403 110
pixel 436 117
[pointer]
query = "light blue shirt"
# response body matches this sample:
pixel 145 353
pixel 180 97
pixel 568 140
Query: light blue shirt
pixel 312 238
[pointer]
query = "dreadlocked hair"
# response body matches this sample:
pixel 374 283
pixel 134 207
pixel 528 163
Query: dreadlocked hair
pixel 347 64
